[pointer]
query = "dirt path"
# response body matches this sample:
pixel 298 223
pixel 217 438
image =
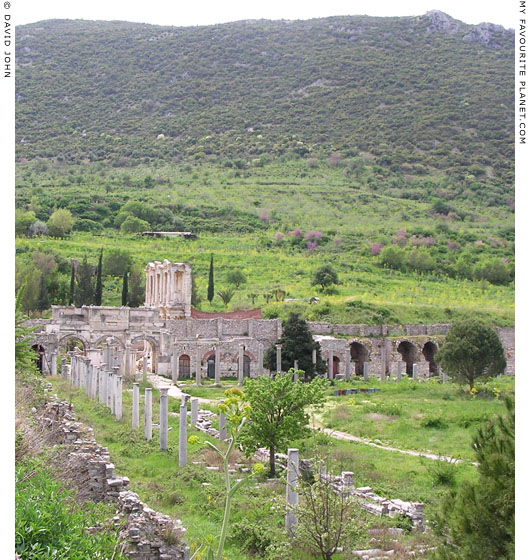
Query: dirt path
pixel 160 382
pixel 348 437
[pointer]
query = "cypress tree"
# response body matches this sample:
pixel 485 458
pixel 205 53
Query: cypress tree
pixel 84 293
pixel 72 285
pixel 125 289
pixel 43 302
pixel 98 295
pixel 211 291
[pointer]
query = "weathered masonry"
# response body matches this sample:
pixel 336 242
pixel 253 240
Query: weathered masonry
pixel 169 337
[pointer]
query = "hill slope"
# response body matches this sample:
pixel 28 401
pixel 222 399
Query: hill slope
pixel 415 93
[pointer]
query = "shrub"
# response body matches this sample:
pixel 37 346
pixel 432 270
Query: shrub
pixel 131 224
pixel 434 422
pixel 60 223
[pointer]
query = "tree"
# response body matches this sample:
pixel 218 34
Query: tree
pixel 125 289
pixel 471 350
pixel 116 262
pixel 211 291
pixel 478 519
pixel 325 277
pixel 236 277
pixel 392 257
pixel 98 295
pixel 277 412
pixel 23 221
pixel 60 223
pixel 195 297
pixel 43 302
pixel 131 224
pixel 226 295
pixel 24 354
pixel 84 290
pixel 327 519
pixel 297 344
pixel 136 295
pixel 72 285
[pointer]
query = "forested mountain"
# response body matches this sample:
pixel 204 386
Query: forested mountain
pixel 415 94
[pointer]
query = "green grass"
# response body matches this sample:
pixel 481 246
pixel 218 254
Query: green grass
pixel 433 417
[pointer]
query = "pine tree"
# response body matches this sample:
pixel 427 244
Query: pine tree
pixel 211 291
pixel 125 289
pixel 43 301
pixel 98 296
pixel 72 285
pixel 84 292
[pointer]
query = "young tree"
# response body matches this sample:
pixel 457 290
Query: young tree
pixel 277 412
pixel 297 344
pixel 325 277
pixel 116 262
pixel 226 295
pixel 84 290
pixel 98 295
pixel 136 296
pixel 211 291
pixel 125 289
pixel 132 224
pixel 478 519
pixel 236 277
pixel 471 350
pixel 60 223
pixel 327 519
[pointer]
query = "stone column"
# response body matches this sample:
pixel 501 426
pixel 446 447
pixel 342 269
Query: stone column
pixel 118 399
pixel 399 370
pixel 217 380
pixel 383 365
pixel 240 365
pixel 174 365
pixel 291 495
pixel 198 367
pixel 366 370
pixel 105 353
pixel 260 359
pixel 183 441
pixel 95 382
pixel 314 356
pixel 119 360
pixel 330 365
pixel 144 369
pixel 163 418
pixel 222 424
pixel 104 385
pixel 415 372
pixel 278 357
pixel 64 369
pixel 134 354
pixel 194 411
pixel 444 376
pixel 116 371
pixel 148 413
pixel 136 405
pixel 295 366
pixel 348 367
pixel 127 365
pixel 110 389
pixel 54 363
pixel 347 480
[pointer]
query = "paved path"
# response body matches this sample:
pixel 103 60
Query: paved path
pixel 176 392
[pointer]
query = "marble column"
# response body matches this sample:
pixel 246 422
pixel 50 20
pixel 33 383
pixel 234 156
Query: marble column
pixel 144 369
pixel 415 372
pixel 194 411
pixel 118 399
pixel 278 357
pixel 64 369
pixel 174 365
pixel 217 380
pixel 183 441
pixel 127 368
pixel 198 367
pixel 136 406
pixel 314 356
pixel 163 418
pixel 240 365
pixel 382 376
pixel 348 367
pixel 222 424
pixel 330 365
pixel 366 370
pixel 148 414
pixel 291 495
pixel 260 359
pixel 54 363
pixel 399 370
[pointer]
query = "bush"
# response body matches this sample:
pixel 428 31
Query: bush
pixel 60 223
pixel 131 224
pixel 434 422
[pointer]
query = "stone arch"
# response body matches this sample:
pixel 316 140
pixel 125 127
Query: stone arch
pixel 40 355
pixel 114 338
pixel 67 338
pixel 251 356
pixel 150 350
pixel 207 355
pixel 359 354
pixel 246 365
pixel 184 366
pixel 409 353
pixel 429 350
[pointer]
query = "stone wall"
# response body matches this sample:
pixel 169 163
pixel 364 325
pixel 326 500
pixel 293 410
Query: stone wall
pixel 146 534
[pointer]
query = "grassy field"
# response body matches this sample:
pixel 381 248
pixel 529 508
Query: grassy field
pixel 404 415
